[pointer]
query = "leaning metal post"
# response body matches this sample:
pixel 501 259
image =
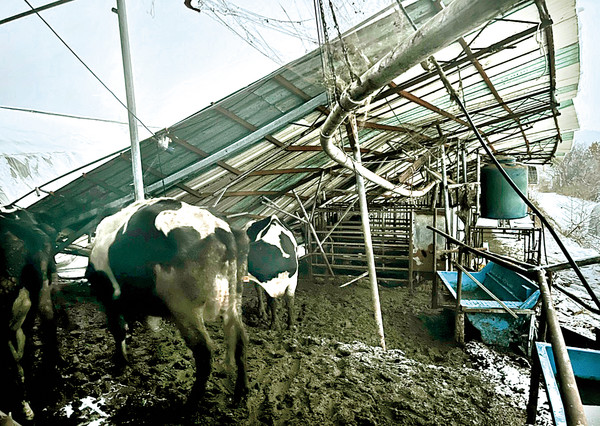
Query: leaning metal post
pixel 136 157
pixel 564 369
pixel 366 228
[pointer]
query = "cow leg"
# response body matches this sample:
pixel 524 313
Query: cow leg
pixel 16 346
pixel 237 341
pixel 291 312
pixel 196 337
pixel 261 302
pixel 274 307
pixel 48 325
pixel 118 328
pixel 202 350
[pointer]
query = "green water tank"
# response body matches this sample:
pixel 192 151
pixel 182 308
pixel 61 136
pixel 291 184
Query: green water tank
pixel 498 199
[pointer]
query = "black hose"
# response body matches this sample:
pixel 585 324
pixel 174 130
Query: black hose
pixel 514 186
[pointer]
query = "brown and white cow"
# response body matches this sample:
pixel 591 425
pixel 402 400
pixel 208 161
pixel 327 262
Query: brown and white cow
pixel 163 257
pixel 273 265
pixel 27 270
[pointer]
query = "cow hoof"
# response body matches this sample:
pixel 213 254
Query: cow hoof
pixel 27 411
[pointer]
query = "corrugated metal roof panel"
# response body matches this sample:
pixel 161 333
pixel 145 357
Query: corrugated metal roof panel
pixel 401 123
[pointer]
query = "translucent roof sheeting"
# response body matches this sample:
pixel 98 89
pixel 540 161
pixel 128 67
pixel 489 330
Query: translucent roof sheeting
pixel 517 76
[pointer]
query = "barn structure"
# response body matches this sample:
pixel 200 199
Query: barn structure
pixel 453 89
pixel 258 151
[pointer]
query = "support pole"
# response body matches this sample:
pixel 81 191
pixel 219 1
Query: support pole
pixel 435 288
pixel 366 228
pixel 136 158
pixel 564 369
pixel 446 198
pixel 534 390
pixel 314 207
pixel 459 322
pixel 445 192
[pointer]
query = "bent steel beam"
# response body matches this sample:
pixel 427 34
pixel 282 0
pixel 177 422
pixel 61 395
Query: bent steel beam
pixel 460 17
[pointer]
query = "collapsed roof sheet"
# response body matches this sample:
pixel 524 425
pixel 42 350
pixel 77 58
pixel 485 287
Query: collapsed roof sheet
pixel 517 76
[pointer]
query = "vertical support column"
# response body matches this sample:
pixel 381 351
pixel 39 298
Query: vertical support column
pixel 446 196
pixel 364 215
pixel 478 196
pixel 136 158
pixel 410 251
pixel 435 289
pixel 459 325
pixel 534 388
pixel 566 378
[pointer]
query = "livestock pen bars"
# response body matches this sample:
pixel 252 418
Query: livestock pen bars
pixel 338 227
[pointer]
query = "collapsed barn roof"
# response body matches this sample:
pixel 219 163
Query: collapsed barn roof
pixel 517 76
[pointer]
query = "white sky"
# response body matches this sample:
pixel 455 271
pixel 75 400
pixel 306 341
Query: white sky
pixel 182 61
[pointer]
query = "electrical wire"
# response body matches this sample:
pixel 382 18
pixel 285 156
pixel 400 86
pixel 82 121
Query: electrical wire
pixel 88 68
pixel 57 114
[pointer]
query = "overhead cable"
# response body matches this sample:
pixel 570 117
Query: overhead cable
pixel 88 68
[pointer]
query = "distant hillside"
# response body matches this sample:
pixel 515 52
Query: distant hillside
pixel 20 173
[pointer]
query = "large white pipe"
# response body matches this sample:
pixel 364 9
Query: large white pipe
pixel 460 17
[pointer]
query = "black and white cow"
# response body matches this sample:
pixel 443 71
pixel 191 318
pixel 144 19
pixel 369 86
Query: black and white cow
pixel 163 257
pixel 273 265
pixel 27 270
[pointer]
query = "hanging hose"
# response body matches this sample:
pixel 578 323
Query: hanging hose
pixel 460 17
pixel 514 186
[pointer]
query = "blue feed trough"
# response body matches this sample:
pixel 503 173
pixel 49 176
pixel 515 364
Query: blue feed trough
pixel 489 316
pixel 586 367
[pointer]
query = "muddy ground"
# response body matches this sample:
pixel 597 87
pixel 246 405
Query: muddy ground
pixel 330 370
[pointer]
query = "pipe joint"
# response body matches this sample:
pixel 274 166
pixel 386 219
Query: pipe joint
pixel 348 104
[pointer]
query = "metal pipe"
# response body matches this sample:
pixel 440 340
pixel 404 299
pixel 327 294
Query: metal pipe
pixel 564 369
pixel 460 17
pixel 314 233
pixel 366 228
pixel 507 178
pixel 340 220
pixel 36 10
pixel 488 255
pixel 566 265
pixel 136 158
pixel 364 274
pixel 445 192
pixel 459 321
